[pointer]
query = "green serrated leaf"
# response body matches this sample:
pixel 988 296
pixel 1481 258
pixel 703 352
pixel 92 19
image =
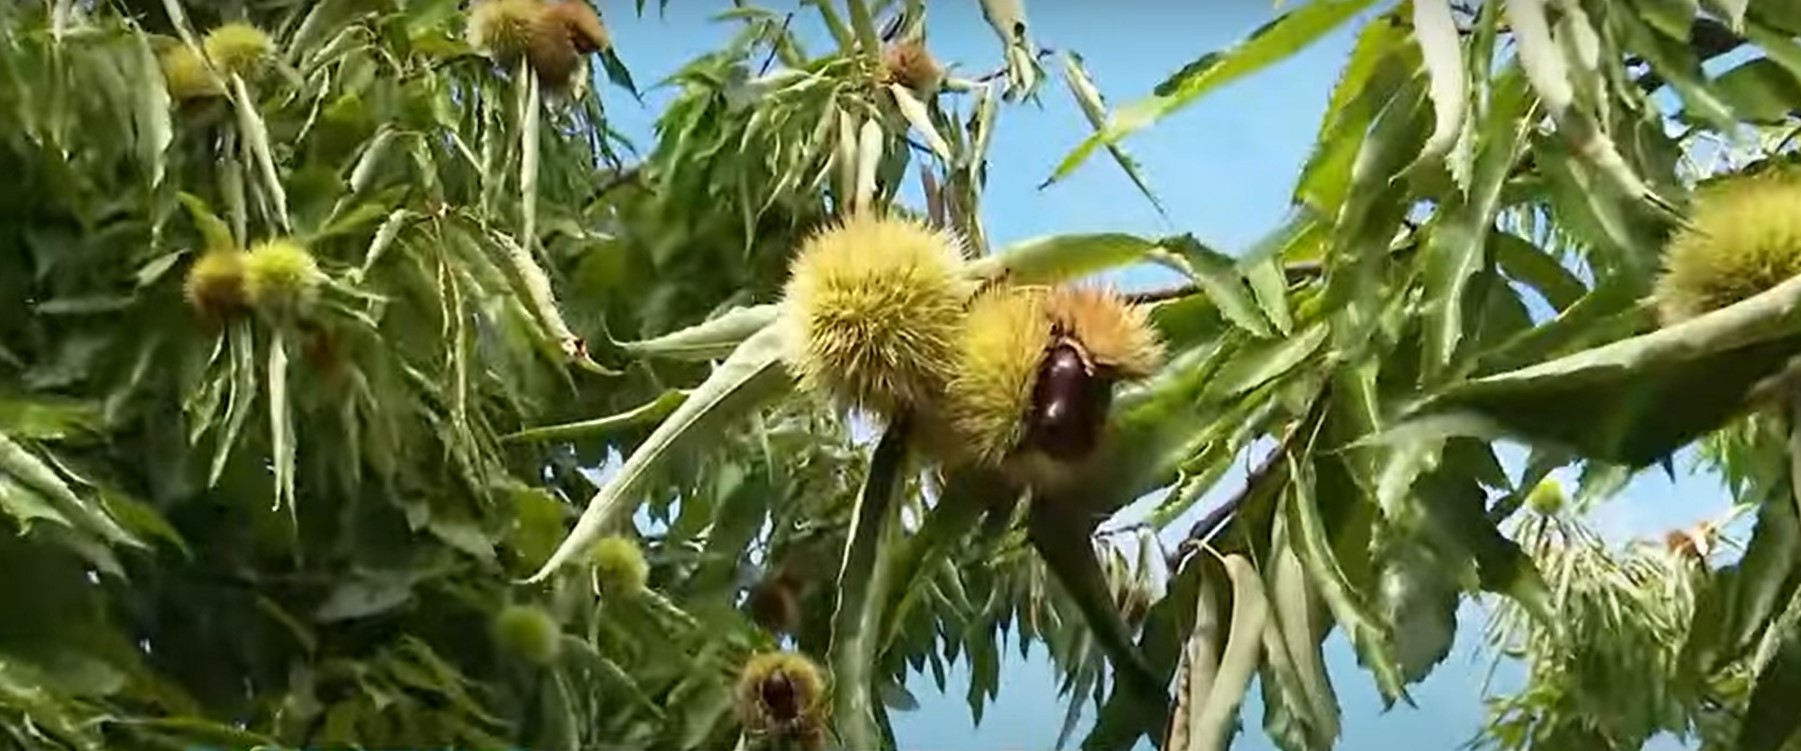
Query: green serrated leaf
pixel 151 120
pixel 1094 108
pixel 1529 264
pixel 1456 249
pixel 1638 399
pixel 1761 90
pixel 1371 638
pixel 1056 258
pixel 1419 597
pixel 1379 65
pixel 213 230
pixel 1218 277
pixel 1275 41
pixel 1262 362
pixel 34 474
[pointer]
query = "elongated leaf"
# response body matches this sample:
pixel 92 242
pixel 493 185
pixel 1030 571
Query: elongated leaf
pixel 967 494
pixel 710 339
pixel 1265 361
pixel 151 118
pixel 384 238
pixel 1539 55
pixel 1055 258
pixel 1681 69
pixel 1094 108
pixel 281 422
pixel 1419 596
pixel 1456 250
pixel 750 377
pixel 1381 62
pixel 1442 50
pixel 1550 75
pixel 240 395
pixel 34 475
pixel 1371 638
pixel 1219 278
pixel 1636 400
pixel 1273 43
pixel 1731 10
pixel 1771 721
pixel 1527 263
pixel 255 133
pixel 862 22
pixel 655 409
pixel 921 119
pixel 213 230
pixel 870 144
pixel 1008 19
pixel 1761 90
pixel 530 122
pixel 1451 505
pixel 864 579
pixel 1780 49
pixel 1125 719
pixel 1201 654
pixel 1298 634
pixel 617 73
pixel 1212 727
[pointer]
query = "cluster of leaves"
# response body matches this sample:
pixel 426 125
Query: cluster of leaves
pixel 1471 239
pixel 1607 674
pixel 296 528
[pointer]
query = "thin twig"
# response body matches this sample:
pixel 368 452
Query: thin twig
pixel 1204 528
pixel 775 45
pixel 1043 52
pixel 1208 526
pixel 1297 272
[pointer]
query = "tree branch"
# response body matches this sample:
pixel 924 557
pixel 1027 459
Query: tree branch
pixel 1209 525
pixel 1297 272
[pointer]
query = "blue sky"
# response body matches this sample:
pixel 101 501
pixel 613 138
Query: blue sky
pixel 1224 169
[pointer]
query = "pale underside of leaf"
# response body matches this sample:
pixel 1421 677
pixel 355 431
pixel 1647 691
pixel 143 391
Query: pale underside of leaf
pixel 1055 258
pixel 710 339
pixel 1442 50
pixel 1211 727
pixel 864 577
pixel 752 375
